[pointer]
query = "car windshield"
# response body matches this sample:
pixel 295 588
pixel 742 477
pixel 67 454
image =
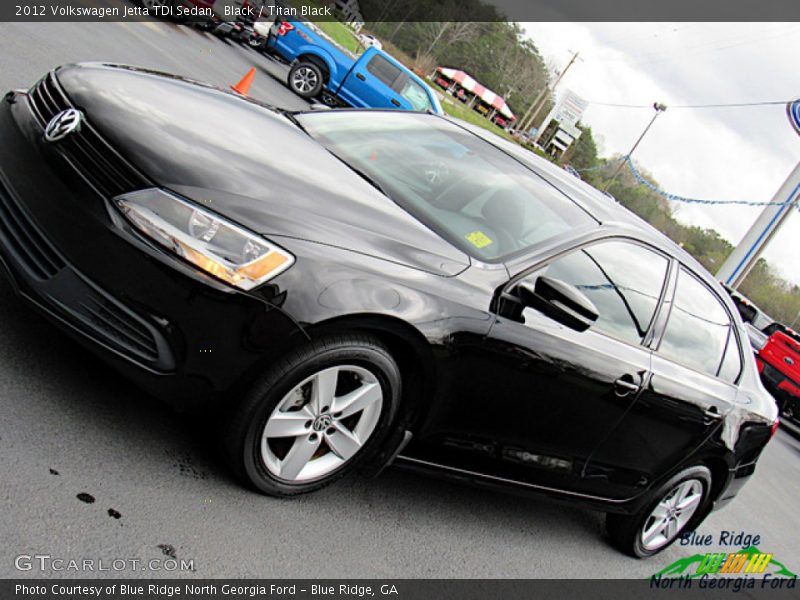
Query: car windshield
pixel 464 188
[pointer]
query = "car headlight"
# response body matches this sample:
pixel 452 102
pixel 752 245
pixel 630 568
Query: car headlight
pixel 204 239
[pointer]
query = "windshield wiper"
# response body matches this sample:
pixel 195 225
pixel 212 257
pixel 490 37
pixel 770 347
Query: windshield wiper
pixel 295 121
pixel 365 176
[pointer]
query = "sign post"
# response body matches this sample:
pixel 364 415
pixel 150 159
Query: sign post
pixel 745 255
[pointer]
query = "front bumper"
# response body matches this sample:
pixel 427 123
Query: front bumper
pixel 177 333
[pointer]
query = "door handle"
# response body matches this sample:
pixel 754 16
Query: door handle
pixel 395 101
pixel 361 76
pixel 625 385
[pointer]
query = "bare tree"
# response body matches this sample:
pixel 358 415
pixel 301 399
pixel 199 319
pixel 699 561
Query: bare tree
pixel 436 33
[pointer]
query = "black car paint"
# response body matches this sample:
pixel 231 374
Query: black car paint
pixel 364 263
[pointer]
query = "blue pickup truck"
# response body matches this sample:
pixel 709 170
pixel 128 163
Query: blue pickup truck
pixel 373 80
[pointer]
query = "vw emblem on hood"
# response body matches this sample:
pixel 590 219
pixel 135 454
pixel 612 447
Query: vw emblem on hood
pixel 63 124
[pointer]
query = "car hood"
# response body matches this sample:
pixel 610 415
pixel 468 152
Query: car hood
pixel 249 163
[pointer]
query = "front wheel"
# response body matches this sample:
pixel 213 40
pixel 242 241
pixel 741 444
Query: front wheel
pixel 678 505
pixel 316 416
pixel 306 79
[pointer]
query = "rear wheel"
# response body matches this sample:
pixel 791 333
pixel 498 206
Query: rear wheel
pixel 677 506
pixel 306 79
pixel 316 416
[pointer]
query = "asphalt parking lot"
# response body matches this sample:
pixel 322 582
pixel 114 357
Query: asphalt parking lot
pixel 70 426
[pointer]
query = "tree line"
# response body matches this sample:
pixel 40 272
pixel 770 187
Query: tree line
pixel 774 295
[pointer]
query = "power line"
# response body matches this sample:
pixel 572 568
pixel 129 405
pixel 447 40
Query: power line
pixel 726 105
pixel 642 180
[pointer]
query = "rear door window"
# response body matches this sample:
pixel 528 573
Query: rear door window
pixel 700 333
pixel 384 70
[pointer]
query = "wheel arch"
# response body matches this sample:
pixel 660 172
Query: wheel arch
pixel 719 475
pixel 408 346
pixel 322 61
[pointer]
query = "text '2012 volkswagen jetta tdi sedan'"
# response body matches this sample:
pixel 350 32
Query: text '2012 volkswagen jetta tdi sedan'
pixel 363 287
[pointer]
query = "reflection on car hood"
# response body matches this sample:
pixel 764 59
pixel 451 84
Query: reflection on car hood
pixel 248 163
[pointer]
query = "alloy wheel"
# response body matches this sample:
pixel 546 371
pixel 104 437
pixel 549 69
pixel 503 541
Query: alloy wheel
pixel 671 514
pixel 304 80
pixel 321 423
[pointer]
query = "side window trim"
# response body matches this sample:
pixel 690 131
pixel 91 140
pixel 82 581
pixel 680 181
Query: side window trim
pixel 661 318
pixel 679 266
pixel 725 351
pixel 505 291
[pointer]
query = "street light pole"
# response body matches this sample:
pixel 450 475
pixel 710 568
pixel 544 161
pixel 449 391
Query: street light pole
pixel 659 108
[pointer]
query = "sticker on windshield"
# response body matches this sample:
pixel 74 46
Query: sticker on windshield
pixel 478 239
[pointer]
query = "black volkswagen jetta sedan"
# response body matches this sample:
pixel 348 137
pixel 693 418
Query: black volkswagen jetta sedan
pixel 359 288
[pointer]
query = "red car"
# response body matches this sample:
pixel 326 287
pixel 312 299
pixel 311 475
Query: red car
pixel 779 364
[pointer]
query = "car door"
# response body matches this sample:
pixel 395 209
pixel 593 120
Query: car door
pixel 696 363
pixel 539 397
pixel 370 83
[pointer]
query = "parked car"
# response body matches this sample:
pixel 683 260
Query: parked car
pixel 369 41
pixel 181 10
pixel 777 351
pixel 749 312
pixel 773 327
pixel 778 361
pixel 341 312
pixel 373 80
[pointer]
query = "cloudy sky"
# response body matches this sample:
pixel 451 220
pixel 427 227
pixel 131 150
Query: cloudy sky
pixel 716 154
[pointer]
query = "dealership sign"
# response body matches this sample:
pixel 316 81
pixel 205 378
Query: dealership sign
pixel 793 111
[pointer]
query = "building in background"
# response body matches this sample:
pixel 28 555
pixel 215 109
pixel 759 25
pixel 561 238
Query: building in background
pixel 350 13
pixel 559 129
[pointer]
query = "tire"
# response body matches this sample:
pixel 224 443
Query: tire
pixel 314 444
pixel 306 79
pixel 627 533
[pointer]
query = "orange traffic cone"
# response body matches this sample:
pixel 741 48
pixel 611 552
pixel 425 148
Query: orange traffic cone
pixel 243 87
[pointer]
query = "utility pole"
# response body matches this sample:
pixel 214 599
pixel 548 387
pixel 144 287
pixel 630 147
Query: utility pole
pixel 659 108
pixel 539 103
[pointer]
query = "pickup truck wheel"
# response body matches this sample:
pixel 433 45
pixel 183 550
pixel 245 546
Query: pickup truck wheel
pixel 305 79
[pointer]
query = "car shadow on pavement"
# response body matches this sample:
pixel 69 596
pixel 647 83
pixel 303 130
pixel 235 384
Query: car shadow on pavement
pixel 49 383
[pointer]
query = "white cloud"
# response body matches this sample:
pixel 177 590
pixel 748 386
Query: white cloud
pixel 720 154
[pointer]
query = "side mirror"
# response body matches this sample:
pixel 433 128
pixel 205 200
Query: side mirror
pixel 560 301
